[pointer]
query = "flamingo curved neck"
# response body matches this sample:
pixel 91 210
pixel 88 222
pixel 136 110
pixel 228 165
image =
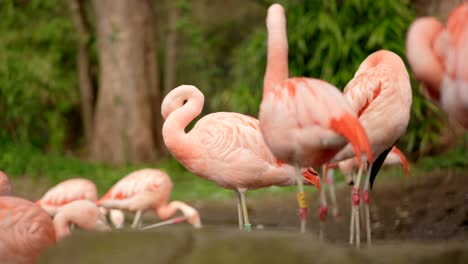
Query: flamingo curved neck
pixel 181 144
pixel 61 226
pixel 277 57
pixel 167 210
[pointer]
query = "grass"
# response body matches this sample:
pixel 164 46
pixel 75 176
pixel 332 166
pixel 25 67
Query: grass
pixel 24 160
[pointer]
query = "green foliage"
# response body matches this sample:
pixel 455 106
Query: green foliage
pixel 456 158
pixel 37 76
pixel 328 39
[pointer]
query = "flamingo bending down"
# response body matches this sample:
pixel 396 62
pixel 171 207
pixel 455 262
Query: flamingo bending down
pixel 5 187
pixel 225 148
pixel 439 58
pixel 147 189
pixel 380 94
pixel 26 230
pixel 305 121
pixel 81 213
pixel 67 191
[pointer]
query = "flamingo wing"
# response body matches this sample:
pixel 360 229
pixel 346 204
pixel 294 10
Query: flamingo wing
pixel 227 135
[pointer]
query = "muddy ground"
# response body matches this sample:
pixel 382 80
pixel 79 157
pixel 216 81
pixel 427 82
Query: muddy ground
pixel 423 220
pixel 434 208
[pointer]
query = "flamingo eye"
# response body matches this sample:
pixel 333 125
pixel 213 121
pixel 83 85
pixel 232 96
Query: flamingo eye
pixel 184 102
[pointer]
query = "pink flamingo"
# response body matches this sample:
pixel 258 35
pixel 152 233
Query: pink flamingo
pixel 72 190
pixel 380 88
pixel 225 148
pixel 305 121
pixel 5 187
pixel 147 189
pixel 81 213
pixel 439 58
pixel 67 191
pixel 26 230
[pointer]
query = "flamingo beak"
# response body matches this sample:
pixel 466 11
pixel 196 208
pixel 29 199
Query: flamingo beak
pixel 312 177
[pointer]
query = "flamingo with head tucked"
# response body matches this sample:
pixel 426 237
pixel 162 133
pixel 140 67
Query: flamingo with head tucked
pixel 226 148
pixel 144 190
pixel 304 121
pixel 26 230
pixel 438 56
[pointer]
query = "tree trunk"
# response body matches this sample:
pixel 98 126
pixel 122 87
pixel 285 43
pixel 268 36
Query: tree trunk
pixel 83 65
pixel 171 48
pixel 437 8
pixel 128 121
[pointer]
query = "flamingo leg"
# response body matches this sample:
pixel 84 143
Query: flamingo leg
pixel 331 183
pixel 356 202
pixel 366 206
pixel 247 226
pixel 301 199
pixel 323 211
pixel 239 211
pixel 137 219
pixel 351 222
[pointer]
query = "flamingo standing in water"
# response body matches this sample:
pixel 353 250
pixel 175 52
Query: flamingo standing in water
pixel 380 94
pixel 226 148
pixel 305 121
pixel 147 189
pixel 5 187
pixel 439 58
pixel 26 230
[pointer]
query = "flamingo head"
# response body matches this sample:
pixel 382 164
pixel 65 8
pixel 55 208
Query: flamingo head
pixel 179 97
pixel 312 177
pixel 117 218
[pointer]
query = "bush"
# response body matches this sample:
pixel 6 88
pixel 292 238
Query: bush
pixel 37 73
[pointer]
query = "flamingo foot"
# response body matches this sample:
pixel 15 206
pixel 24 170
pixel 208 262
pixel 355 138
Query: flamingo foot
pixel 323 212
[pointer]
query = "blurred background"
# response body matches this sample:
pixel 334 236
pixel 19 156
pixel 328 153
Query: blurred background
pixel 81 81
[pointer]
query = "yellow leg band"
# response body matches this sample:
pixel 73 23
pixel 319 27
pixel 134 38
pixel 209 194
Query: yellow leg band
pixel 301 200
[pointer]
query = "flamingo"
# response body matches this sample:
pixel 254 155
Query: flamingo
pixel 438 56
pixel 380 94
pixel 72 190
pixel 81 213
pixel 304 121
pixel 67 191
pixel 26 230
pixel 147 189
pixel 5 187
pixel 225 148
